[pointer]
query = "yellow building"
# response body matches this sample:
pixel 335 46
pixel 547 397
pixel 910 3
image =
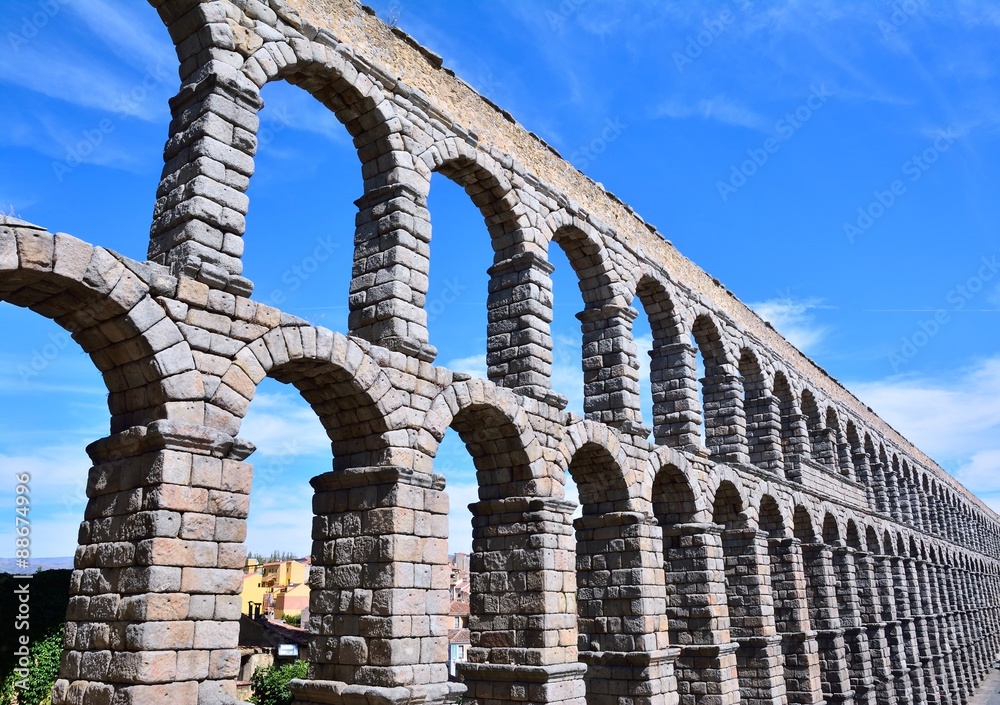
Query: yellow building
pixel 253 587
pixel 276 588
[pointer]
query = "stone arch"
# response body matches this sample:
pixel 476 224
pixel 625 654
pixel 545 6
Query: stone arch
pixel 872 543
pixel 794 435
pixel 837 439
pixel 610 364
pixel 200 212
pixel 676 498
pixel 498 435
pixel 147 365
pixel 723 416
pixel 771 517
pixel 762 412
pixel 352 396
pixel 728 506
pixel 852 535
pixel 820 450
pixel 803 525
pixel 600 285
pixel 597 462
pixel 832 532
pixel 675 423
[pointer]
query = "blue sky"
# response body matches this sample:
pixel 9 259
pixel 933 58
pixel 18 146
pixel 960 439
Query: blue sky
pixel 834 164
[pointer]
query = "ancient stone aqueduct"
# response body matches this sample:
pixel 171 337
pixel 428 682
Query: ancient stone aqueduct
pixel 795 550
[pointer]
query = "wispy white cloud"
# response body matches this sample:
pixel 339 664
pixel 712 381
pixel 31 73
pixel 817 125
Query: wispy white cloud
pixel 283 425
pixel 952 417
pixel 70 75
pixel 719 109
pixel 58 483
pixel 793 319
pixel 474 365
pixel 135 35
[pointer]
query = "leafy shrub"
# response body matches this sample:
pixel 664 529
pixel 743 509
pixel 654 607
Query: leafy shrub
pixel 44 656
pixel 270 685
pixel 293 619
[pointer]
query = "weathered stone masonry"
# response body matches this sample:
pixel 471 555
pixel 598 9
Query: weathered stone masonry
pixel 803 552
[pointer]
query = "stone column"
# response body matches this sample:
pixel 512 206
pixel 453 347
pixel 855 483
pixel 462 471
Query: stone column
pixel 845 461
pixel 519 338
pixel 523 614
pixel 891 493
pixel 863 471
pixel 879 486
pixel 817 559
pixel 201 202
pixel 391 263
pixel 937 630
pixel 904 611
pixel 154 597
pixel 621 600
pixel 946 629
pixel 855 635
pixel 676 410
pixel 797 446
pixel 886 582
pixel 725 422
pixel 922 629
pixel 611 368
pixel 763 422
pixel 824 442
pixel 694 570
pixel 791 612
pixel 956 612
pixel 751 617
pixel 872 621
pixel 378 608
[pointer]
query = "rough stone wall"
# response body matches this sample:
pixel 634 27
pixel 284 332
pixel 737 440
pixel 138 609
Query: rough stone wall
pixel 802 552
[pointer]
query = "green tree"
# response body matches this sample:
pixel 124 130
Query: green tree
pixel 44 657
pixel 270 685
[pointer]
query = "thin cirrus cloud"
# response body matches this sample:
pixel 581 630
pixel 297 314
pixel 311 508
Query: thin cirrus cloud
pixel 718 109
pixel 793 319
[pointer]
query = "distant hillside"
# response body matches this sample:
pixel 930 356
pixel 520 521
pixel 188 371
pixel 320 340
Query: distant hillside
pixel 9 565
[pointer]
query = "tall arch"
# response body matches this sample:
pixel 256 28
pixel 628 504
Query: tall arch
pixel 608 354
pixel 722 409
pixel 763 414
pixel 794 433
pixel 671 368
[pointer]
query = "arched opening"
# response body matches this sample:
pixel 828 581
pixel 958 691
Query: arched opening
pixel 301 208
pixel 877 471
pixel 292 447
pixel 607 621
pixel 817 559
pixel 674 506
pixel 608 355
pixel 671 382
pixel 837 439
pixel 748 600
pixel 794 441
pixel 721 395
pixel 569 298
pixel 763 416
pixel 820 449
pixel 470 224
pixel 493 556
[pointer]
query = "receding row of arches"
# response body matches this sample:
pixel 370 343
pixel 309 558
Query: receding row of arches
pixel 746 409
